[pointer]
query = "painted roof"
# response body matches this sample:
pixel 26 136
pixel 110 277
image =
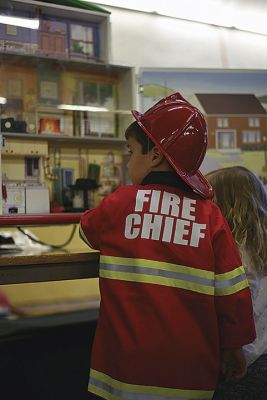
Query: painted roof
pixel 216 103
pixel 78 4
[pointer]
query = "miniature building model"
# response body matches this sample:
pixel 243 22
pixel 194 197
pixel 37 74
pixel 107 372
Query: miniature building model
pixel 63 103
pixel 83 36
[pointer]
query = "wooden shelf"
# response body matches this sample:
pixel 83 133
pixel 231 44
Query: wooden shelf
pixel 44 219
pixel 94 67
pixel 65 138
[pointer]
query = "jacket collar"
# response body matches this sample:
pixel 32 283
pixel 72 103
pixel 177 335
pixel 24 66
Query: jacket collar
pixel 167 178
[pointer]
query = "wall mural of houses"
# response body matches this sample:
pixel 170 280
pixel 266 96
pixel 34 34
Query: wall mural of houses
pixel 234 103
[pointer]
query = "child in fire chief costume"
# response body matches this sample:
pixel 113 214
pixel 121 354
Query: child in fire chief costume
pixel 175 303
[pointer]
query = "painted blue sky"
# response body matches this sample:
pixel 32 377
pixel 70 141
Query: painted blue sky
pixel 209 81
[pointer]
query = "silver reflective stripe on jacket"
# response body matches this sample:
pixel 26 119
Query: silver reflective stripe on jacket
pixel 173 275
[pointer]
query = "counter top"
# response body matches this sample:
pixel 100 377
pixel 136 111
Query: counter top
pixel 36 257
pixel 31 266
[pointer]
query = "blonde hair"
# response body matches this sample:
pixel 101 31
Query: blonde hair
pixel 242 199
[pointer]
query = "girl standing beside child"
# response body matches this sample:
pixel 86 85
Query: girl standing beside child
pixel 242 198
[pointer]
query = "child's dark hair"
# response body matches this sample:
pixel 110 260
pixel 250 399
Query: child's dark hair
pixel 134 130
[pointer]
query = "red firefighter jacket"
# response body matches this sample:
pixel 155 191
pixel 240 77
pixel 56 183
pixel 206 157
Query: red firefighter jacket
pixel 173 292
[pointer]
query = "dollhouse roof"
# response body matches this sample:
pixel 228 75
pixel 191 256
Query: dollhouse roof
pixel 216 103
pixel 79 4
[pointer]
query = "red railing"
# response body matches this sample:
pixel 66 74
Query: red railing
pixel 44 219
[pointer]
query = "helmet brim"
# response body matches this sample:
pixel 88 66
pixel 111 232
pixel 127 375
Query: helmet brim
pixel 196 182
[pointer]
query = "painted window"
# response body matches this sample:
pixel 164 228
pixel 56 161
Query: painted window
pixel 253 122
pixel 251 136
pixel 226 139
pixel 222 122
pixel 82 41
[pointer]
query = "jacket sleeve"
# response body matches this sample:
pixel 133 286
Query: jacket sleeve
pixel 93 222
pixel 232 295
pixel 89 229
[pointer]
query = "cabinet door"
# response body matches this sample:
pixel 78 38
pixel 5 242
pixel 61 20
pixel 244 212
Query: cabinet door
pixel 19 147
pixel 36 148
pixel 59 45
pixel 13 147
pixel 45 45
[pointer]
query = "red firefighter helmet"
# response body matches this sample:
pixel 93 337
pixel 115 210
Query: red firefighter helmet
pixel 179 130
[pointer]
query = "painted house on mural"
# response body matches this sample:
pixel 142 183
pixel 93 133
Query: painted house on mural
pixel 235 121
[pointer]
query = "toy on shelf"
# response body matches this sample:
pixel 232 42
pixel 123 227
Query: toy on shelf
pixel 110 175
pixel 83 194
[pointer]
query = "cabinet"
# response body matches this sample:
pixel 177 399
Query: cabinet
pixel 25 147
pixel 60 98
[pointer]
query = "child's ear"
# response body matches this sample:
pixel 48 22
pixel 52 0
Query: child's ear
pixel 156 156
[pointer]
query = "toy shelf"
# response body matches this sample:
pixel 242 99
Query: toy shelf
pixel 66 139
pixel 9 57
pixel 64 107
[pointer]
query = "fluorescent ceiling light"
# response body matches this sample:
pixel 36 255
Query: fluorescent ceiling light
pixel 3 100
pixel 73 107
pixel 229 14
pixel 31 23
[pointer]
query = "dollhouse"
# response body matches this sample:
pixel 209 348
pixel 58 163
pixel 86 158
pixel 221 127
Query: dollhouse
pixel 58 37
pixel 65 105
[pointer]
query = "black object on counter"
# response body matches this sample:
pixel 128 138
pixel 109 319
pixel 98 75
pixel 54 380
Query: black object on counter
pixel 84 184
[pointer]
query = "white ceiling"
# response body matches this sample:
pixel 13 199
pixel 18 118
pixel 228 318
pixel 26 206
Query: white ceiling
pixel 255 5
pixel 247 15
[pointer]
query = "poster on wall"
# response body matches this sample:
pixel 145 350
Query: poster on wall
pixel 234 103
